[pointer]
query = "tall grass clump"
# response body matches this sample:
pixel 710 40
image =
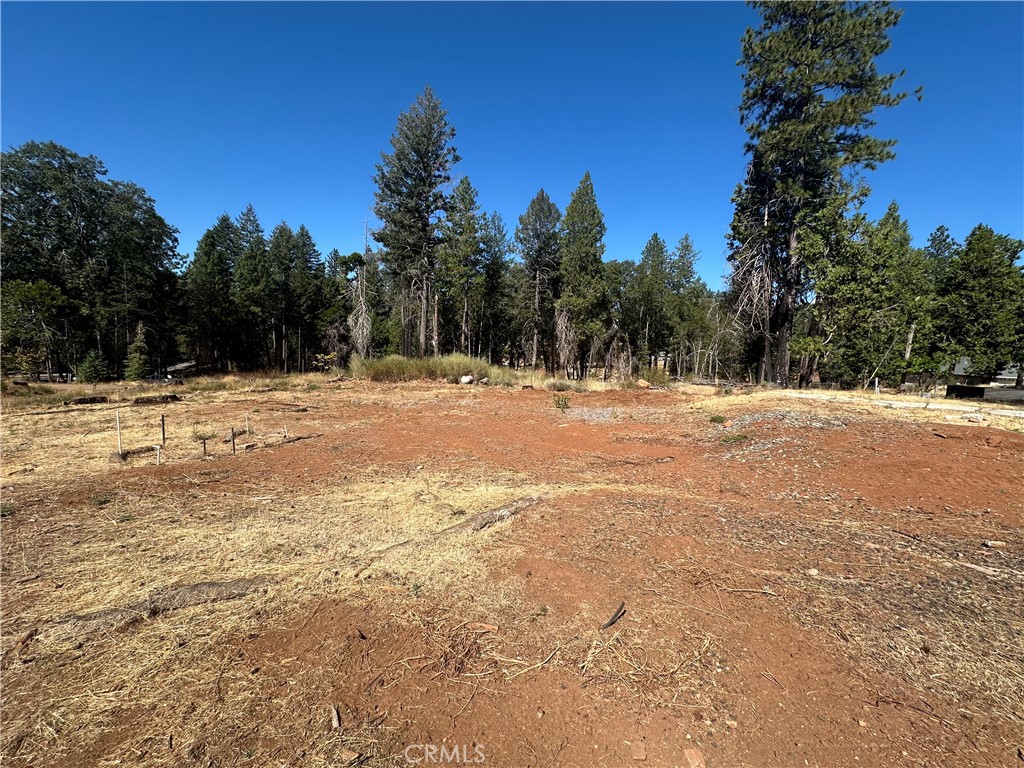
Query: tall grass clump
pixel 449 368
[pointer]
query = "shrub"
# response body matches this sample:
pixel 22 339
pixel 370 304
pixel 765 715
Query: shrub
pixel 450 368
pixel 717 419
pixel 92 369
pixel 656 376
pixel 558 385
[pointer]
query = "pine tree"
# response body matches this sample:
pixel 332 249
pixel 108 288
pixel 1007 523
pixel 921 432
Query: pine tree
pixel 137 365
pixel 875 296
pixel 209 282
pixel 538 240
pixel 459 266
pixel 980 305
pixel 810 86
pixel 583 306
pixel 252 278
pixel 411 203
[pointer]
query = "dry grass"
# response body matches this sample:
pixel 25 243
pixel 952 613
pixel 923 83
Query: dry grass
pixel 123 546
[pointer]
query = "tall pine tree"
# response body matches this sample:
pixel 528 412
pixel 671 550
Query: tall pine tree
pixel 811 84
pixel 411 203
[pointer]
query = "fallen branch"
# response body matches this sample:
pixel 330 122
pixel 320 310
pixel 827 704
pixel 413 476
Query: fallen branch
pixel 125 455
pixel 475 523
pixel 154 399
pixel 296 438
pixel 535 666
pixel 78 627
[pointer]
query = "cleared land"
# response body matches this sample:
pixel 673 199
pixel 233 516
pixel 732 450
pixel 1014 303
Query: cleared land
pixel 822 584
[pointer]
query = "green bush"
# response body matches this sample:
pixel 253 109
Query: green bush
pixel 92 369
pixel 656 376
pixel 718 419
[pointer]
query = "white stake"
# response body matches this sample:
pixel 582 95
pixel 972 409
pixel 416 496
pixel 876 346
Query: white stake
pixel 158 455
pixel 118 414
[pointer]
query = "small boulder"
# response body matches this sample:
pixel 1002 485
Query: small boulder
pixel 643 384
pixel 467 379
pixel 485 381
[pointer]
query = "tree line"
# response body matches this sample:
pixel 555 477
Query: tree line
pixel 93 283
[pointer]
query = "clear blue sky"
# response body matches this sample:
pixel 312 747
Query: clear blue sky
pixel 288 106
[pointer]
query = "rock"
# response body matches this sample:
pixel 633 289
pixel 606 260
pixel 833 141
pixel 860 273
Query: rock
pixel 467 379
pixel 812 572
pixel 694 758
pixel 527 386
pixel 643 384
pixel 485 381
pixel 973 418
pixel 731 724
pixel 727 423
pixel 638 750
pixel 862 723
pixel 993 544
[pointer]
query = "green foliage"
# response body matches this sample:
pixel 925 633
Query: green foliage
pixel 581 272
pixel 92 369
pixel 717 419
pixel 874 296
pixel 538 240
pixel 410 201
pixel 811 84
pixel 561 403
pixel 137 365
pixel 982 303
pixel 735 438
pixel 108 258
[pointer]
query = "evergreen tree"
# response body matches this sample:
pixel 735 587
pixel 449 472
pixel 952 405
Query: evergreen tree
pixel 459 267
pixel 251 291
pixel 495 291
pixel 583 305
pixel 100 243
pixel 875 295
pixel 280 258
pixel 980 307
pixel 810 86
pixel 209 282
pixel 137 365
pixel 411 203
pixel 538 240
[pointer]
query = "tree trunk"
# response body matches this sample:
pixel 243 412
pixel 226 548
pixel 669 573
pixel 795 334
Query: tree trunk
pixel 424 305
pixel 437 328
pixel 536 319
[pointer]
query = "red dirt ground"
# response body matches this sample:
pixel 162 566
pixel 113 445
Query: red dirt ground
pixel 794 596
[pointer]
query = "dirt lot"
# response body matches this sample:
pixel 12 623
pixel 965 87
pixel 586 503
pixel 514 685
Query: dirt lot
pixel 807 584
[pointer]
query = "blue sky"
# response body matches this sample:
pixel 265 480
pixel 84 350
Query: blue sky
pixel 288 106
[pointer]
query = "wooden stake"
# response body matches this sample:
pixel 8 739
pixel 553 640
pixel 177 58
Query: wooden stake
pixel 163 431
pixel 118 416
pixel 158 455
pixel 232 441
pixel 247 423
